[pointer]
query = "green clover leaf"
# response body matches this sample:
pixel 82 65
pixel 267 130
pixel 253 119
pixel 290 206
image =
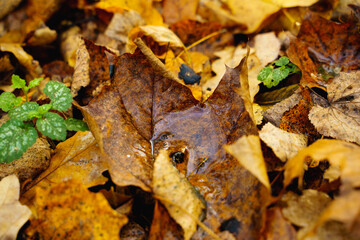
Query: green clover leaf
pixel 15 138
pixel 59 94
pixel 73 124
pixel 22 112
pixel 8 101
pixel 52 126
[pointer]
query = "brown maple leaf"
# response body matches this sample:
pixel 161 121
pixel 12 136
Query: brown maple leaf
pixel 142 112
pixel 322 46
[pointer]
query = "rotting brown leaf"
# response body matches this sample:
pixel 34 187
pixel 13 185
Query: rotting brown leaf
pixel 324 44
pixel 142 112
pixel 338 116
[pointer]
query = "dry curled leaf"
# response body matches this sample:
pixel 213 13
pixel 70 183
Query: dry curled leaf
pixel 338 116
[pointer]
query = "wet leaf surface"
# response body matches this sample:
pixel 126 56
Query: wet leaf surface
pixel 143 112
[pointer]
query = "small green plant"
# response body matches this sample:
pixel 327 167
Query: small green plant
pixel 275 72
pixel 19 133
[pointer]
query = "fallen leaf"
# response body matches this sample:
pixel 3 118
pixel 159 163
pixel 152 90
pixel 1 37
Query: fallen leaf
pixel 23 57
pixel 70 42
pixel 338 116
pixel 176 194
pixel 42 36
pixel 276 95
pixel 144 8
pixel 275 113
pixel 133 231
pixel 247 150
pixel 163 226
pixel 77 158
pixel 142 112
pixel 120 26
pixel 74 212
pixel 339 219
pixel 249 15
pixel 93 78
pixel 174 10
pixel 339 153
pixel 304 210
pixel 284 144
pixel 267 47
pixel 8 6
pixel 13 215
pixel 324 44
pixel 161 35
pixel 277 227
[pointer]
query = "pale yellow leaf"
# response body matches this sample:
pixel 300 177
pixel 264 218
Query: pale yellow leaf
pixel 267 47
pixel 303 210
pixel 176 194
pixel 284 144
pixel 247 150
pixel 13 215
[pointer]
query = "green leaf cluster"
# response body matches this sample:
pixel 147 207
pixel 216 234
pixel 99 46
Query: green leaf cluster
pixel 277 71
pixel 19 133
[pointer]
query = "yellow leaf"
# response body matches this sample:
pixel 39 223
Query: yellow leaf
pixel 75 213
pixel 284 144
pixel 343 155
pixel 176 194
pixel 13 215
pixel 161 35
pixel 144 7
pixel 247 150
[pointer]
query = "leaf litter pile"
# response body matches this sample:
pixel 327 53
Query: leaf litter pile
pixel 185 142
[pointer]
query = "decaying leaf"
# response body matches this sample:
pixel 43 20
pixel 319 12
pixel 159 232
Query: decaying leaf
pixel 267 47
pixel 338 116
pixel 142 112
pixel 284 144
pixel 275 113
pixel 174 10
pixel 304 210
pixel 250 14
pixel 339 153
pixel 339 219
pixel 13 215
pixel 322 46
pixel 277 227
pixel 7 6
pixel 163 226
pixel 176 194
pixel 74 212
pixel 143 7
pixel 161 35
pixel 247 150
pixel 77 158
